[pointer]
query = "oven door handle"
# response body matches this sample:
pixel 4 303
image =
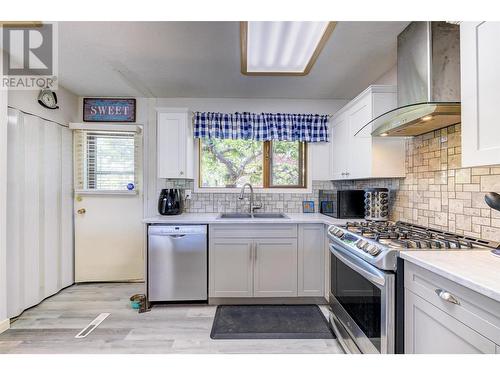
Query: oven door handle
pixel 357 264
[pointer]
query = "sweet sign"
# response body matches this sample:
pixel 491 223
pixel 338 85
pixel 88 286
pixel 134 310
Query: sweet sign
pixel 108 110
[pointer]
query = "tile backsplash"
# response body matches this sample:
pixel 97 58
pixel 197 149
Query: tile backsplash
pixel 229 202
pixel 436 191
pixel 439 193
pixel 282 202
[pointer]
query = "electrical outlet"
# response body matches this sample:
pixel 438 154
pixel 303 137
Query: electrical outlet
pixel 187 194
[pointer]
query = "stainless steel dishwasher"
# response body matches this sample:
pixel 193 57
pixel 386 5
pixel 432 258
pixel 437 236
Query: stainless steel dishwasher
pixel 177 263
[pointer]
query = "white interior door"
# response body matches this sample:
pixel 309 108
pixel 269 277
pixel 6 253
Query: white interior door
pixel 108 217
pixel 108 238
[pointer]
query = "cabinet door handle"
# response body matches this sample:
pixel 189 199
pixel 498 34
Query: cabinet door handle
pixel 447 296
pixel 181 173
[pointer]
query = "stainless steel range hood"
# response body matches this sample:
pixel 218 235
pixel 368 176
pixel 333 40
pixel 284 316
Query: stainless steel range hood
pixel 428 81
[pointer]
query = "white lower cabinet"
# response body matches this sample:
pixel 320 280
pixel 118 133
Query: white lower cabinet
pixel 442 316
pixel 275 273
pixel 311 260
pixel 431 331
pixel 287 261
pixel 231 267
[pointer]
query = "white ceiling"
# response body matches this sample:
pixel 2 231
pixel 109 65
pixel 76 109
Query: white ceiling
pixel 202 59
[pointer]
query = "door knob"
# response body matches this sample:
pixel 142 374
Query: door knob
pixel 81 211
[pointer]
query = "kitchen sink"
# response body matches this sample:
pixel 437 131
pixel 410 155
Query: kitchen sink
pixel 270 215
pixel 235 215
pixel 262 215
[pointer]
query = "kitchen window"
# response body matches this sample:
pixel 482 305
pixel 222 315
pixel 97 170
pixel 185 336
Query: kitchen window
pixel 106 161
pixel 228 163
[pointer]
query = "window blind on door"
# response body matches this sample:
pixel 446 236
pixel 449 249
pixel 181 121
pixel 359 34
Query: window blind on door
pixel 106 161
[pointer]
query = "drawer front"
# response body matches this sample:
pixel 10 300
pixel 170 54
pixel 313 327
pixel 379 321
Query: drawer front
pixel 429 330
pixel 473 309
pixel 253 230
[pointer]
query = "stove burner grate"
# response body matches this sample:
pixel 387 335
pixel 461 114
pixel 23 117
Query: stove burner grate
pixel 401 235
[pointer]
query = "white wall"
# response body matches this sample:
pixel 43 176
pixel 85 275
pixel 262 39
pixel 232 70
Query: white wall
pixel 4 322
pixel 217 105
pixel 388 78
pixel 27 101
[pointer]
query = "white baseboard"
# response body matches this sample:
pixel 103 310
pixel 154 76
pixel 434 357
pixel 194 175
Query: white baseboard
pixel 4 325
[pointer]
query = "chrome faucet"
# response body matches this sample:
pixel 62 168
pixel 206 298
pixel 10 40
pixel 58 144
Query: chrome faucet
pixel 252 206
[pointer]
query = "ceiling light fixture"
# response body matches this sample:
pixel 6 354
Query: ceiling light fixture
pixel 282 48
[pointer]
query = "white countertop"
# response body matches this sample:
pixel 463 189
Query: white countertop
pixel 478 270
pixel 212 218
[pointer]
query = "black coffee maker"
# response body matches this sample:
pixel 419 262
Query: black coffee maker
pixel 170 202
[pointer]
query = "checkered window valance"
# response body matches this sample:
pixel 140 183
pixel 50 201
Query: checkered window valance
pixel 262 126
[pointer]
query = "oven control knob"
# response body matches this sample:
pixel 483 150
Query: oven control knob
pixel 361 244
pixel 373 250
pixel 338 233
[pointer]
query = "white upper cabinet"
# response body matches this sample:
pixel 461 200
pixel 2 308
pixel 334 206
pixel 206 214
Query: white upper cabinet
pixel 320 166
pixel 359 147
pixel 479 61
pixel 363 156
pixel 175 143
pixel 338 144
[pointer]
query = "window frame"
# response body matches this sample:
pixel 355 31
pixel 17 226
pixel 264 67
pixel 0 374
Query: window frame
pixel 268 167
pixel 81 156
pixel 304 176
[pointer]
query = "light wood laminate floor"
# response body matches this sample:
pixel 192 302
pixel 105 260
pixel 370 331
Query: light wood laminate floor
pixel 51 326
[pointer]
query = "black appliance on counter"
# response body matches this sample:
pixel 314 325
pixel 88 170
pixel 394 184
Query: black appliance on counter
pixel 342 204
pixel 170 202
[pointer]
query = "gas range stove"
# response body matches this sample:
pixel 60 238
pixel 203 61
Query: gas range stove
pixel 378 243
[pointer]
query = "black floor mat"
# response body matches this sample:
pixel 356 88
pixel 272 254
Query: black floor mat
pixel 270 322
